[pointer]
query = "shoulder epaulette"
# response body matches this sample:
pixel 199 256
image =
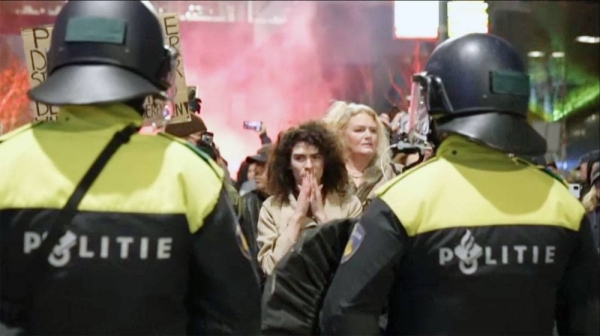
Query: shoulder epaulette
pixel 545 170
pixel 404 175
pixel 213 165
pixel 554 175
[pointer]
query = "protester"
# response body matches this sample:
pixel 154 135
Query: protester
pixel 308 186
pixel 366 149
pixel 251 202
pixel 245 171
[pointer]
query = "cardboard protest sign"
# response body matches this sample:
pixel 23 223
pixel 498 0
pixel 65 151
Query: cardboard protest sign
pixel 179 110
pixel 36 42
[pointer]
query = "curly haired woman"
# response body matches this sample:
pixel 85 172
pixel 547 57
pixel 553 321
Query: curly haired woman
pixel 308 181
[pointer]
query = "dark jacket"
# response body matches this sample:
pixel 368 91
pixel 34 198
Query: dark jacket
pixel 471 242
pixel 301 279
pixel 157 251
pixel 249 208
pixel 594 219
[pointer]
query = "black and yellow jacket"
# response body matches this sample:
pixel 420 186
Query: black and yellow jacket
pixel 470 242
pixel 158 248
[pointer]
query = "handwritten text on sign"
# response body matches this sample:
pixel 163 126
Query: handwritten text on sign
pixel 181 112
pixel 170 23
pixel 36 43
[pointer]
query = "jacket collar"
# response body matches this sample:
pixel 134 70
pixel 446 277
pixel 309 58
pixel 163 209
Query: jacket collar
pixel 459 148
pixel 98 116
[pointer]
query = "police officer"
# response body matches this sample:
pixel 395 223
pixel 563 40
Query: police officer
pixel 153 246
pixel 475 240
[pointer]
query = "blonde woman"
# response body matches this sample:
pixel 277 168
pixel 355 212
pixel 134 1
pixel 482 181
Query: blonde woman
pixel 366 145
pixel 591 203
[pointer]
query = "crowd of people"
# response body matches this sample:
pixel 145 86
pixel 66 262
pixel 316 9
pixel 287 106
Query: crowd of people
pixel 348 224
pixel 318 171
pixel 354 153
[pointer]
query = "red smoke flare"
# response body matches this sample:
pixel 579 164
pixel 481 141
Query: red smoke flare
pixel 239 78
pixel 14 107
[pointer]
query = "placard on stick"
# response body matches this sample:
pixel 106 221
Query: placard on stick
pixel 180 110
pixel 36 42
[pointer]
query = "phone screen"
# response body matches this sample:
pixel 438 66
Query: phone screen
pixel 253 125
pixel 575 190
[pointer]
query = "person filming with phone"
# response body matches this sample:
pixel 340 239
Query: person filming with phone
pixel 245 176
pixel 258 126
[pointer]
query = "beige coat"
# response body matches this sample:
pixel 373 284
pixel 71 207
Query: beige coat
pixel 274 217
pixel 374 180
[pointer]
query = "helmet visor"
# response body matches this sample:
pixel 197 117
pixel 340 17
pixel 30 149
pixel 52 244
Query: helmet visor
pixel 418 116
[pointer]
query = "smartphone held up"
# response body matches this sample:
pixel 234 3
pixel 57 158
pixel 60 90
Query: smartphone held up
pixel 253 125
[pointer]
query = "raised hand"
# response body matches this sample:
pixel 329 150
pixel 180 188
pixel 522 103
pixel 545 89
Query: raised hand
pixel 263 128
pixel 385 120
pixel 298 220
pixel 316 200
pixel 303 202
pixel 395 123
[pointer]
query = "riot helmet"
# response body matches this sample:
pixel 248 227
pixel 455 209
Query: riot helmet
pixel 477 86
pixel 104 52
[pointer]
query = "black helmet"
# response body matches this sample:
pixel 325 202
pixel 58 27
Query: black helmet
pixel 103 52
pixel 477 86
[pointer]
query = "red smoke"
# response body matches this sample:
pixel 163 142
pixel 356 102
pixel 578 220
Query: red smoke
pixel 241 75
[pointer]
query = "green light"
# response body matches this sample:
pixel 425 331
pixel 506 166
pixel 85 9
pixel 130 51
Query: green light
pixel 582 88
pixel 575 100
pixel 579 98
pixel 586 89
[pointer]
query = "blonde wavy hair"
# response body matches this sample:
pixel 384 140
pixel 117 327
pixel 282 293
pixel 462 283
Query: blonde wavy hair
pixel 337 118
pixel 590 200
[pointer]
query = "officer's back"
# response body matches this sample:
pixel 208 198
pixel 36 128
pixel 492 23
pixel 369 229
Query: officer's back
pixel 156 247
pixel 474 241
pixel 491 239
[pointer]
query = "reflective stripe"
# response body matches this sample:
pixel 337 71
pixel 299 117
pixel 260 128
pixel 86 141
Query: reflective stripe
pixel 468 185
pixel 152 174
